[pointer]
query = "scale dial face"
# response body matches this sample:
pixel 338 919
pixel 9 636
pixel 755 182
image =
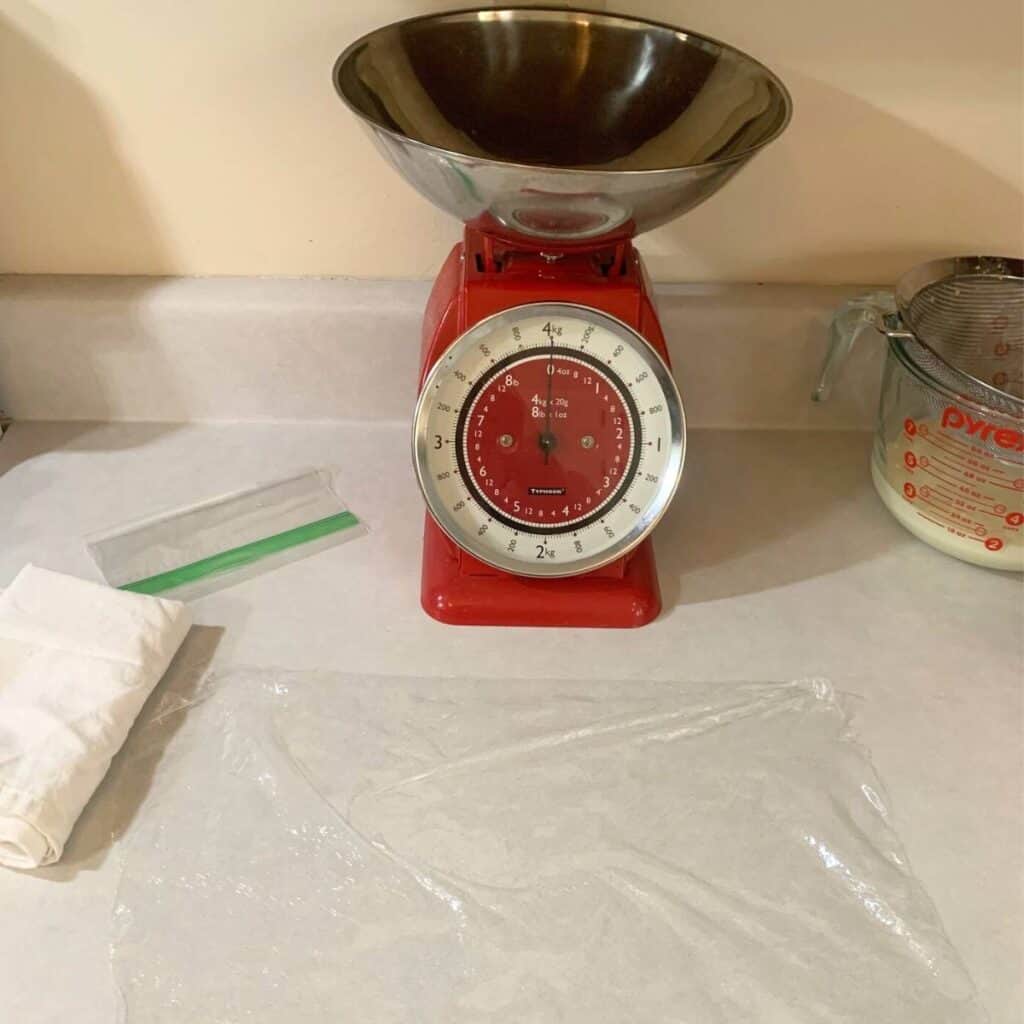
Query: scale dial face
pixel 548 439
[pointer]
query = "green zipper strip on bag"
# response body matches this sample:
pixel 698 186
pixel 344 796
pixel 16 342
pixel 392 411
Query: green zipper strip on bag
pixel 233 558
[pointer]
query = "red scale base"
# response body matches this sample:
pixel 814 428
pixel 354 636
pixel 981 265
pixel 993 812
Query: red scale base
pixel 484 275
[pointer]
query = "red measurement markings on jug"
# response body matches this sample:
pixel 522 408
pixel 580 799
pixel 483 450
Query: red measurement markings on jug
pixel 954 475
pixel 954 443
pixel 941 509
pixel 950 509
pixel 938 522
pixel 964 464
pixel 930 470
pixel 958 502
pixel 976 535
pixel 971 455
pixel 961 515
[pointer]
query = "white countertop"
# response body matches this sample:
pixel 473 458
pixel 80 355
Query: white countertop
pixel 777 561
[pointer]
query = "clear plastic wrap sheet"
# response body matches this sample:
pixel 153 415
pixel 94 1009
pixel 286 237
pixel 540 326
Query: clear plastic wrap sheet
pixel 332 847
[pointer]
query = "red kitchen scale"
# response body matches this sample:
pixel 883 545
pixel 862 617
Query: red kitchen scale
pixel 549 435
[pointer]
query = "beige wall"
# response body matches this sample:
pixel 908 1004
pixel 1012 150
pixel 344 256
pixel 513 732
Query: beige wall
pixel 203 137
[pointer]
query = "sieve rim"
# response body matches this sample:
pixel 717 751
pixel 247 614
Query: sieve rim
pixel 935 272
pixel 924 275
pixel 898 347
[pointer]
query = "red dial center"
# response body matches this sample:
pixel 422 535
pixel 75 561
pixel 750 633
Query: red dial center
pixel 547 440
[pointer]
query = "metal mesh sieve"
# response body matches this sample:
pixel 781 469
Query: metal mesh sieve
pixel 967 319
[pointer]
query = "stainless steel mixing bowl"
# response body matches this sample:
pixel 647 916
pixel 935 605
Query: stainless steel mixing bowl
pixel 559 124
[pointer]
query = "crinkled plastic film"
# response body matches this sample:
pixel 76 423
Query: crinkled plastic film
pixel 323 847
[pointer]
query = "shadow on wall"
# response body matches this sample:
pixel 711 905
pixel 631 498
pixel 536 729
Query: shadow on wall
pixel 60 171
pixel 895 191
pixel 68 173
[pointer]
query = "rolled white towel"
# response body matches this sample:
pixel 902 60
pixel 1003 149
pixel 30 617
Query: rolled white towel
pixel 77 662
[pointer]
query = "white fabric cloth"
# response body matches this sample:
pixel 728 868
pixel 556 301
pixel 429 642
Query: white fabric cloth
pixel 77 662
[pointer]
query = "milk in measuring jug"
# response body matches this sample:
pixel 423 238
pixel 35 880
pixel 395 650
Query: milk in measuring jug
pixel 957 483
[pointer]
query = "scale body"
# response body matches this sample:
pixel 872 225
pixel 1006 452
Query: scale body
pixel 482 276
pixel 548 435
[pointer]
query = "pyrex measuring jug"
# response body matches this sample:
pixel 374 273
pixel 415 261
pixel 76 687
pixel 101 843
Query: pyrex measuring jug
pixel 948 457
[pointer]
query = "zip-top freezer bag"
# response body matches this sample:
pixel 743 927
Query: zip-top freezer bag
pixel 195 550
pixel 330 847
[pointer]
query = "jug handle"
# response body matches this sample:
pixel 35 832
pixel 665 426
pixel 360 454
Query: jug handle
pixel 848 323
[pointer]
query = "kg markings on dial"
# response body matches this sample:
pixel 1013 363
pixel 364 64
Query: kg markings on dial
pixel 548 440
